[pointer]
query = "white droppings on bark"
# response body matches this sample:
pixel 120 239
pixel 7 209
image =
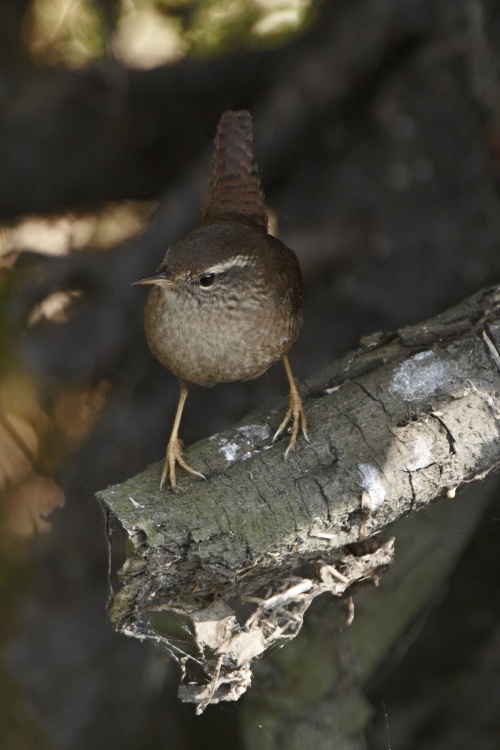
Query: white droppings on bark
pixel 422 375
pixel 242 438
pixel 372 484
pixel 422 453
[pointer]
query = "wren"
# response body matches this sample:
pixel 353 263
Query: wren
pixel 226 302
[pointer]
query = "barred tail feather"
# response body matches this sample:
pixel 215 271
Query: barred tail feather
pixel 235 189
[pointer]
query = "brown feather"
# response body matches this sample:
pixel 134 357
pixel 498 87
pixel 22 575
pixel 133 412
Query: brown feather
pixel 235 190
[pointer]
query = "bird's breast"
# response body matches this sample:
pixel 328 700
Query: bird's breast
pixel 207 344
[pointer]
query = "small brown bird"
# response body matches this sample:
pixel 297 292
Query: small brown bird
pixel 226 302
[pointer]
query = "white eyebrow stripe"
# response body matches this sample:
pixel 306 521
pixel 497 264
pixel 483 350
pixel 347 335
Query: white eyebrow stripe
pixel 239 261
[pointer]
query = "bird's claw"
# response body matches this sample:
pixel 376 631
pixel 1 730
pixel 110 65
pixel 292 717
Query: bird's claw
pixel 173 457
pixel 297 415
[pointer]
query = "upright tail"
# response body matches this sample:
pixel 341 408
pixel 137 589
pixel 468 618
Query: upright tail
pixel 234 190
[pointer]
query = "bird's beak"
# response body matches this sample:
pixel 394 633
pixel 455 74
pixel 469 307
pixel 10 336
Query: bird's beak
pixel 157 278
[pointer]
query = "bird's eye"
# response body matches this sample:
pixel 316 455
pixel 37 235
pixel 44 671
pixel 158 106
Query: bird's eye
pixel 206 279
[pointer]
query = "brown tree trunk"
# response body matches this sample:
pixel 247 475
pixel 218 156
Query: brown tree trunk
pixel 404 420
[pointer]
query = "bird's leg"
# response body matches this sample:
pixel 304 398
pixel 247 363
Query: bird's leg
pixel 174 448
pixel 295 412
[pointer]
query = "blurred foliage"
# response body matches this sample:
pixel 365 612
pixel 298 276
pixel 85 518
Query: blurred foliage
pixel 56 31
pixel 21 728
pixel 60 234
pixel 42 420
pixel 146 33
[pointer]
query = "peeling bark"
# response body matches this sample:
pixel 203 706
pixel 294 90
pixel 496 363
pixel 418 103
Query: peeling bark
pixel 405 419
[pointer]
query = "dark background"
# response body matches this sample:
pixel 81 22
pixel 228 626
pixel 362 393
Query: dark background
pixel 377 133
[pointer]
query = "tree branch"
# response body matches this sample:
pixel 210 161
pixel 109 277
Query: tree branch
pixel 405 419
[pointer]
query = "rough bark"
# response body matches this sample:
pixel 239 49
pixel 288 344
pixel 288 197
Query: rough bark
pixel 405 419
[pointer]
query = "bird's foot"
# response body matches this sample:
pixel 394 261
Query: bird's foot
pixel 174 456
pixel 297 415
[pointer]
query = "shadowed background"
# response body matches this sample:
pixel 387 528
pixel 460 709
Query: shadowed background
pixel 376 128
